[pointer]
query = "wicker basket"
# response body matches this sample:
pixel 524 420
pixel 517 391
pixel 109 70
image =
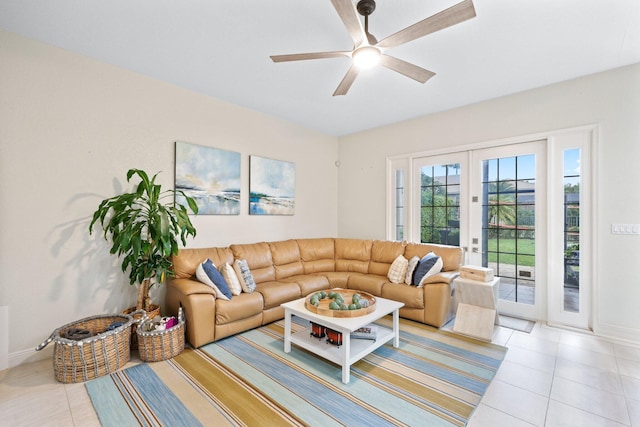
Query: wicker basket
pixel 100 354
pixel 154 310
pixel 155 346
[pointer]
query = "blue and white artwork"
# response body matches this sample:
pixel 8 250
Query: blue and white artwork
pixel 210 176
pixel 272 186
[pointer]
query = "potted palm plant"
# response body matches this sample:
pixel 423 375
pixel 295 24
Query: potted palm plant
pixel 143 227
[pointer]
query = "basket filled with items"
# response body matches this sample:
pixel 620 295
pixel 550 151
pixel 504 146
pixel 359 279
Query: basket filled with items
pixel 91 347
pixel 161 338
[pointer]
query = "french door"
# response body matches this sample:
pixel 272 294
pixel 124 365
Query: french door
pixel 508 226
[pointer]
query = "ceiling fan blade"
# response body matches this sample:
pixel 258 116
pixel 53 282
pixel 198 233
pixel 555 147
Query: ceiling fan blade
pixel 349 16
pixel 412 71
pixel 305 56
pixel 454 15
pixel 347 81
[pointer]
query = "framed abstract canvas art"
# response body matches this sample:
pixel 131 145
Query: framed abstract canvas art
pixel 210 176
pixel 272 186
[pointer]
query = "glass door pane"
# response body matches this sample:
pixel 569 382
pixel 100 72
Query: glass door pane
pixel 508 224
pixel 439 200
pixel 571 172
pixel 399 206
pixel 440 204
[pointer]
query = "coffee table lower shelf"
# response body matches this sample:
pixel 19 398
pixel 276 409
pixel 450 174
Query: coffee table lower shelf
pixel 359 347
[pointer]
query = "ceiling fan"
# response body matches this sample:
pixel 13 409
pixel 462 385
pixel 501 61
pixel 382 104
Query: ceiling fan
pixel 368 51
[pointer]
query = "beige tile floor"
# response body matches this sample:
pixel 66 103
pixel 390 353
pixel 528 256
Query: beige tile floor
pixel 550 377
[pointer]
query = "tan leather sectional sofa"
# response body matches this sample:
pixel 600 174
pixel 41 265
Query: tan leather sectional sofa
pixel 291 269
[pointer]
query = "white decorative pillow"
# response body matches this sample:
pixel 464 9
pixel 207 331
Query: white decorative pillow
pixel 207 273
pixel 413 263
pixel 231 277
pixel 398 270
pixel 244 275
pixel 429 265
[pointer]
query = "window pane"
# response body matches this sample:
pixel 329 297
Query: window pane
pixel 492 169
pixel 526 167
pixel 427 196
pixel 399 208
pixel 525 246
pixel 440 197
pixel 571 229
pixel 507 168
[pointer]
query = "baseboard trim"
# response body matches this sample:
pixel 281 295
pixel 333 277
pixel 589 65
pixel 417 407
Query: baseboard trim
pixel 626 335
pixel 29 356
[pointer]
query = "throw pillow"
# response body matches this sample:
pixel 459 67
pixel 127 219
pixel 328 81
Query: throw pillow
pixel 231 277
pixel 411 268
pixel 208 274
pixel 398 270
pixel 429 265
pixel 244 275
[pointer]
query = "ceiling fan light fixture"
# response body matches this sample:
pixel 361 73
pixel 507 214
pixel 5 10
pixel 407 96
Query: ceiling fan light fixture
pixel 366 57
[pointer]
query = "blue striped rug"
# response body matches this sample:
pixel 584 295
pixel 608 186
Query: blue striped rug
pixel 434 378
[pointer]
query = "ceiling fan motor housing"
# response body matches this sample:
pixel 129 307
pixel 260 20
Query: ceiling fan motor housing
pixel 366 7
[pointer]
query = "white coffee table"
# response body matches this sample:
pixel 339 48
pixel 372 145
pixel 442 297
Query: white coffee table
pixel 351 350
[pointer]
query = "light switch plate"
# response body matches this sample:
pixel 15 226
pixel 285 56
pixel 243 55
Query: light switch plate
pixel 625 228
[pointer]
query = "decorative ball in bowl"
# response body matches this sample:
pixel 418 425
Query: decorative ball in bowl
pixel 340 302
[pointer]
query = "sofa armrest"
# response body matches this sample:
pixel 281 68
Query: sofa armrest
pixel 199 304
pixel 190 287
pixel 442 277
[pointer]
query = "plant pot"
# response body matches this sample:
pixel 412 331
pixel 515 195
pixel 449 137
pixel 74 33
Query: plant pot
pixel 154 310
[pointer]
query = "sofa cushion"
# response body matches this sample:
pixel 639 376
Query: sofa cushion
pixel 241 307
pixel 338 279
pixel 353 255
pixel 429 265
pixel 411 296
pixel 231 278
pixel 367 283
pixel 318 255
pixel 244 275
pixel 208 274
pixel 398 270
pixel 383 253
pixel 258 257
pixel 411 269
pixel 309 283
pixel 275 293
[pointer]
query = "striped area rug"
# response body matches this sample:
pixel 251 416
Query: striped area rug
pixel 434 378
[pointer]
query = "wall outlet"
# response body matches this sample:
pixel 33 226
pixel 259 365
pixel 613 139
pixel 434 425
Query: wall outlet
pixel 625 228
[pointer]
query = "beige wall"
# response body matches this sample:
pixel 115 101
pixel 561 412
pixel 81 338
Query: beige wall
pixel 610 100
pixel 70 128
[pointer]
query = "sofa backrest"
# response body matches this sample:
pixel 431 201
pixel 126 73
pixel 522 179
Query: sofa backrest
pixel 286 258
pixel 282 259
pixel 353 255
pixel 187 260
pixel 318 255
pixel 259 259
pixel 451 255
pixel 383 253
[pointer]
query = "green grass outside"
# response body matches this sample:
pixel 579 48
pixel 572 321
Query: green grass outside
pixel 525 247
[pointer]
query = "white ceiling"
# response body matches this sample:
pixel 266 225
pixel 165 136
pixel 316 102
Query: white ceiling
pixel 221 48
